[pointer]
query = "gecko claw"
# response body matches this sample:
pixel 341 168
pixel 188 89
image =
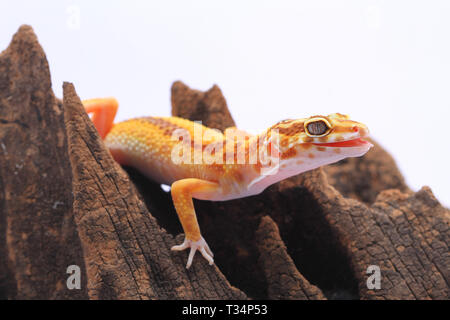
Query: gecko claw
pixel 200 245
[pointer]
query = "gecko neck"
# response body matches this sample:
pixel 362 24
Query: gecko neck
pixel 286 168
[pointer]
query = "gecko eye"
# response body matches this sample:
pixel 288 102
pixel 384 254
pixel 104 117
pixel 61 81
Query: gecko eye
pixel 317 127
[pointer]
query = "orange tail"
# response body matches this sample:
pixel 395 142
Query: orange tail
pixel 104 111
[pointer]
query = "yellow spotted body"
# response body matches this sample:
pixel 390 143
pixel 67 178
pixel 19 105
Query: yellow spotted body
pixel 146 143
pixel 221 166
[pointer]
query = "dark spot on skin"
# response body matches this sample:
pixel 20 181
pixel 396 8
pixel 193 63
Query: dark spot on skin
pixel 289 153
pixel 305 146
pixel 321 148
pixel 238 176
pixel 297 127
pixel 284 142
pixel 310 155
pixel 166 126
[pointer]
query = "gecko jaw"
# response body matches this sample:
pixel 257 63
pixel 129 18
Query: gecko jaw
pixel 358 142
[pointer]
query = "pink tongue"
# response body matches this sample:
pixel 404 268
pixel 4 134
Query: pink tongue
pixel 350 143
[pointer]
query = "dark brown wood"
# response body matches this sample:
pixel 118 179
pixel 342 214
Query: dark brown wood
pixel 38 237
pixel 210 106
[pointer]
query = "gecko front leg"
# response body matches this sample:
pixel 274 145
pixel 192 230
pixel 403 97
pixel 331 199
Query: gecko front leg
pixel 182 193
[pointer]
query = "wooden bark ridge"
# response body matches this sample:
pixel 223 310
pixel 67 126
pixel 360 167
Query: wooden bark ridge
pixel 64 201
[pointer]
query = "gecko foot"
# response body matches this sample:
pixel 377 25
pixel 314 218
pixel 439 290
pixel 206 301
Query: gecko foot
pixel 200 245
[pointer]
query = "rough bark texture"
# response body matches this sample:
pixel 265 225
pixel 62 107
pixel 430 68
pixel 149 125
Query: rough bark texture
pixel 284 281
pixel 210 107
pixel 64 201
pixel 36 213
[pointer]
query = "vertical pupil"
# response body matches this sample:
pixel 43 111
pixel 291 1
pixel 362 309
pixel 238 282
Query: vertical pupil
pixel 317 128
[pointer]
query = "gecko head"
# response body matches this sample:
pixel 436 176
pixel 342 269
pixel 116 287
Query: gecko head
pixel 320 140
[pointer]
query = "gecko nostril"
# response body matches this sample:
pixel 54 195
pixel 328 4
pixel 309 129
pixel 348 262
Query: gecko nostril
pixel 355 129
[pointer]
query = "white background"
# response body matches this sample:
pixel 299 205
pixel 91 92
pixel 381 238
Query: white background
pixel 386 63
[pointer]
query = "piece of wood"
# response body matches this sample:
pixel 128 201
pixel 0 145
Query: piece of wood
pixel 210 106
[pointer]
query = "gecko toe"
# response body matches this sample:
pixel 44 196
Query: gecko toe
pixel 191 257
pixel 181 247
pixel 200 245
pixel 207 256
pixel 208 250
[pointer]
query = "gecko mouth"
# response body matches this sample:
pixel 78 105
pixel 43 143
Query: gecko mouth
pixel 345 144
